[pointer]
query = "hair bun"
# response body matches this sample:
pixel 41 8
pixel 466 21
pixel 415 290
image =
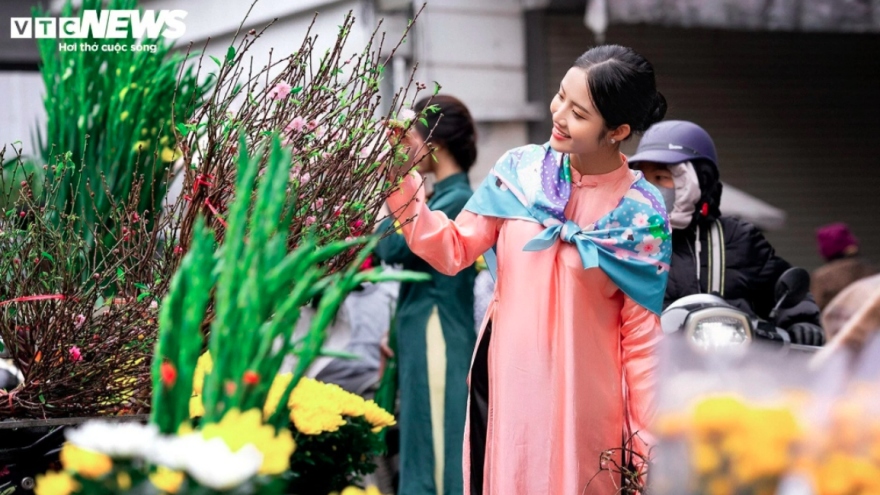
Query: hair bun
pixel 658 112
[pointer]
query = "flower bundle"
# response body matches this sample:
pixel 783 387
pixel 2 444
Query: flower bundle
pixel 78 322
pixel 257 286
pixel 112 111
pixel 332 114
pixel 735 445
pixel 84 254
pixel 336 432
pixel 79 317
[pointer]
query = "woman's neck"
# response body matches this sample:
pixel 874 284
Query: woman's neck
pixel 445 166
pixel 601 162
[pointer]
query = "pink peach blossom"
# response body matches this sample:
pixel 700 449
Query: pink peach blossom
pixel 280 91
pixel 75 354
pixel 295 125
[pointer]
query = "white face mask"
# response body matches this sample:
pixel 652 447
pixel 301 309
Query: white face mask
pixel 668 194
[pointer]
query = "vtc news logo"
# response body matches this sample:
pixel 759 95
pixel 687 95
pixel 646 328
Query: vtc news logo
pixel 104 24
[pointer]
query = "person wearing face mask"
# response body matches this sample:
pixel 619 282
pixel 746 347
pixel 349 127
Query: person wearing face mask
pixel 711 252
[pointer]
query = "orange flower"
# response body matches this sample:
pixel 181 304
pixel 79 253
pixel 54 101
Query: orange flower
pixel 168 373
pixel 251 377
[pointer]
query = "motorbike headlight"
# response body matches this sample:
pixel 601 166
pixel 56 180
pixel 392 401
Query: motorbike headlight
pixel 718 328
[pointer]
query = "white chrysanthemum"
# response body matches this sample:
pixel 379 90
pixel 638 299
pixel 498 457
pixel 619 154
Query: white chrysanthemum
pixel 171 451
pixel 213 465
pixel 115 439
pixel 209 462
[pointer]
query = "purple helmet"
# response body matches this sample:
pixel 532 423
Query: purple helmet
pixel 675 141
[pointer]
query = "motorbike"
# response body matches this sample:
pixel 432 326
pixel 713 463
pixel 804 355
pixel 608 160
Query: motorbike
pixel 711 324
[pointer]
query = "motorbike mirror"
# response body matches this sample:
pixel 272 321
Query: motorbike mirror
pixel 792 287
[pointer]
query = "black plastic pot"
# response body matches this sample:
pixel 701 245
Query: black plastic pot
pixel 31 447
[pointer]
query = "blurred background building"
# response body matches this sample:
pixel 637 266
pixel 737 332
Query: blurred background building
pixel 789 89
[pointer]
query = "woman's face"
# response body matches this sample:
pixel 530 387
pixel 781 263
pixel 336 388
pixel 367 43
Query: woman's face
pixel 578 128
pixel 657 174
pixel 419 153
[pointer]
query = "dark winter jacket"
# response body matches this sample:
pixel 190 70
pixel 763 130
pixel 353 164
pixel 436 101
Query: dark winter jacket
pixel 751 271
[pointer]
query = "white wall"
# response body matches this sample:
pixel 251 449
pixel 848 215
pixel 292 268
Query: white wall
pixel 22 108
pixel 476 51
pixel 219 20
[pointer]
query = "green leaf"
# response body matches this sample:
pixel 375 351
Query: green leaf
pixel 42 399
pixel 230 53
pixel 141 286
pixel 424 121
pixel 216 61
pixel 296 90
pixel 436 88
pixel 143 296
pixel 120 274
pixel 339 354
pixel 182 128
pixel 48 256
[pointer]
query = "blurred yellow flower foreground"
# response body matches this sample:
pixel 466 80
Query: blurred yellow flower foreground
pixel 740 447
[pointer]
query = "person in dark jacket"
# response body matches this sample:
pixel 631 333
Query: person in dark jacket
pixel 433 405
pixel 713 253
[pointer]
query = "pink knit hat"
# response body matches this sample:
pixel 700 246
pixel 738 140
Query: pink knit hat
pixel 834 239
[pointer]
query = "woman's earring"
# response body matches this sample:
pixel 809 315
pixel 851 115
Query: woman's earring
pixel 613 140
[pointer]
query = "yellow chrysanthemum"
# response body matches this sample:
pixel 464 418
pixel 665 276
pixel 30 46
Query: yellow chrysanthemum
pixel 123 481
pixel 718 414
pixel 274 396
pixel 378 417
pixel 315 407
pixel 314 421
pixel 741 442
pixel 169 155
pixel 720 486
pixel 123 93
pixel 166 480
pixel 238 429
pixel 203 366
pixel 705 458
pixel 196 407
pixel 123 115
pixel 55 483
pixel 318 407
pixel 353 490
pixel 84 462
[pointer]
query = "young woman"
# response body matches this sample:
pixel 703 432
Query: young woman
pixel 433 405
pixel 565 363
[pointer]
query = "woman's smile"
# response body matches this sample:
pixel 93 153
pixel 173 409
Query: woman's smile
pixel 558 134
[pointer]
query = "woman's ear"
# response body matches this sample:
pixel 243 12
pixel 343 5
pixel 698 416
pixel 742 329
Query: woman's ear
pixel 619 134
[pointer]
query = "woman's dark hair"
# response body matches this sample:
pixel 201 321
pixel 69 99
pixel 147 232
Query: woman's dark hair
pixel 450 126
pixel 623 88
